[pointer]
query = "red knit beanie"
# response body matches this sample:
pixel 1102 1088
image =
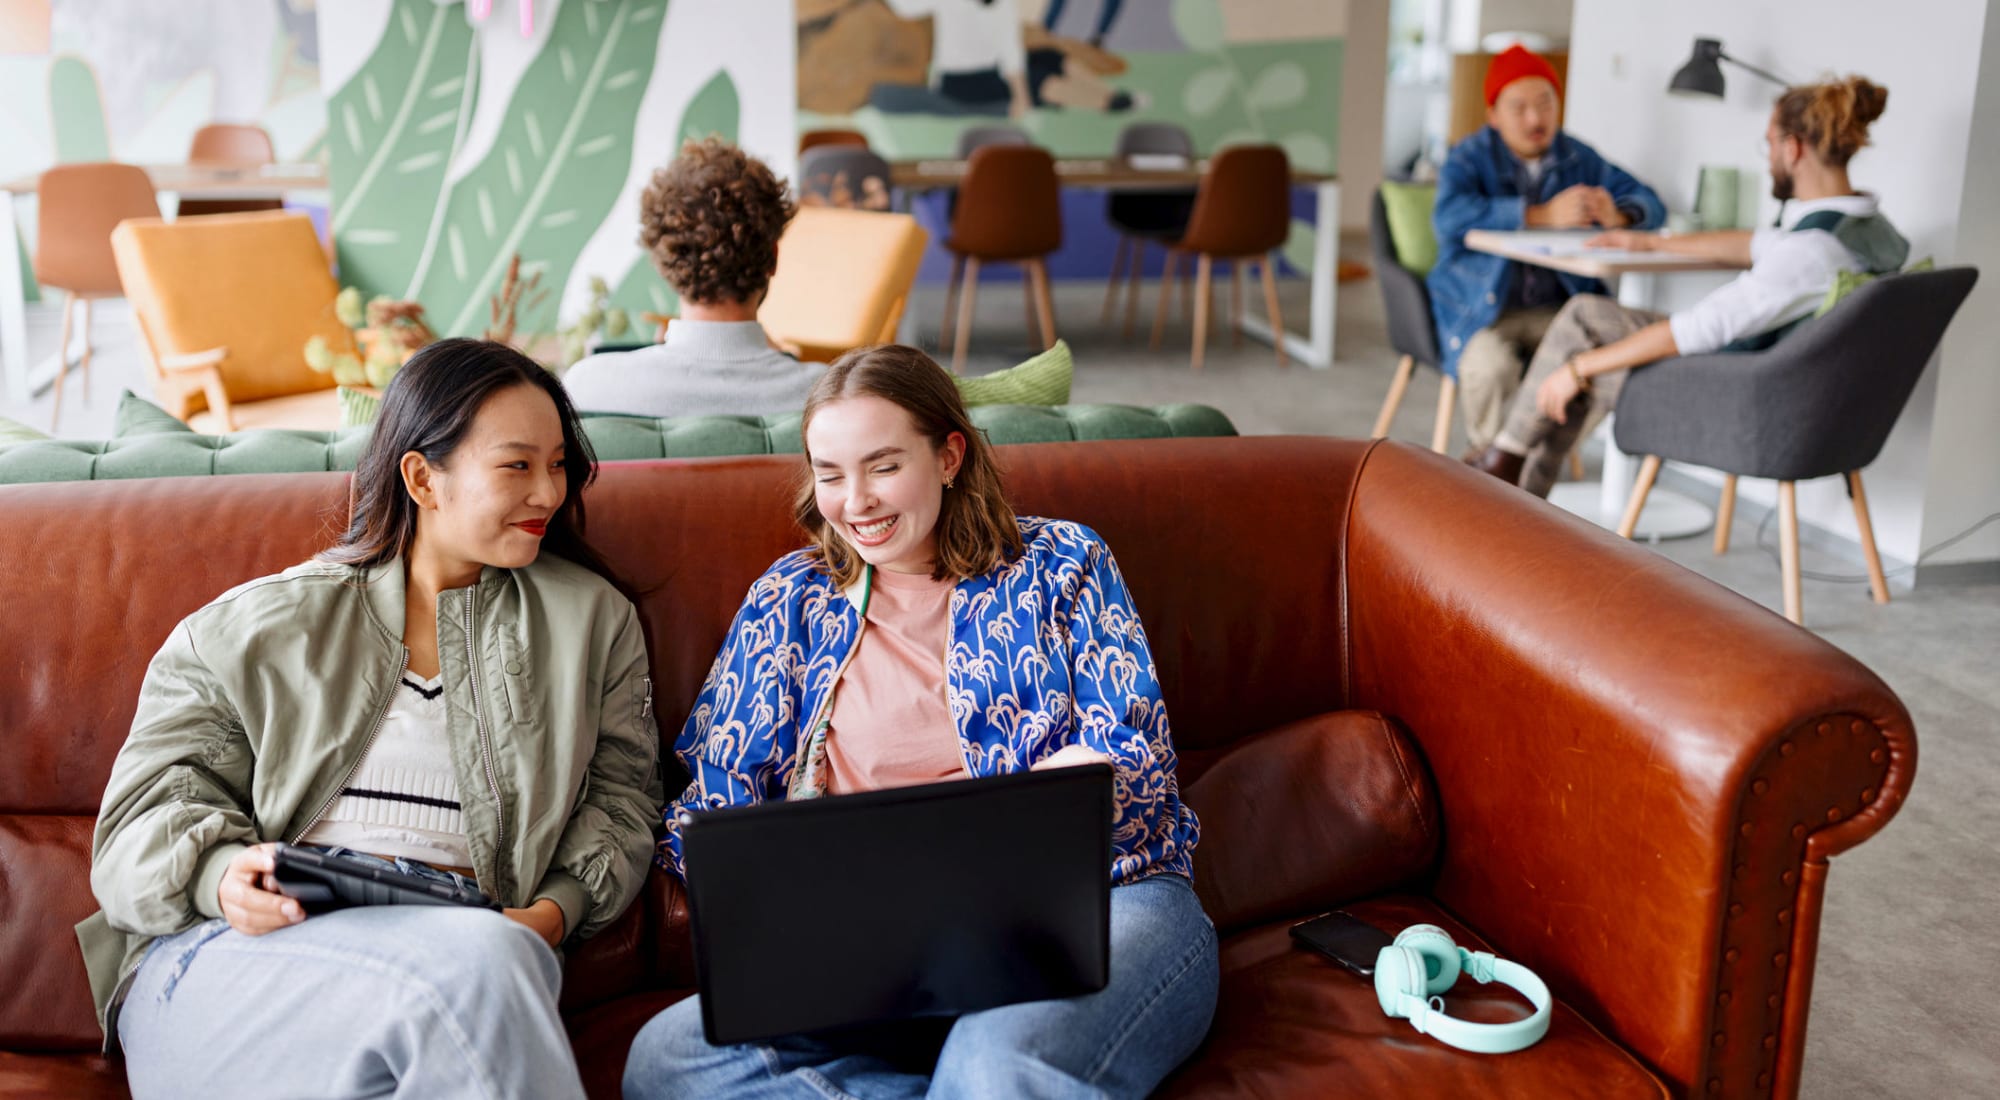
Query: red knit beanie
pixel 1514 63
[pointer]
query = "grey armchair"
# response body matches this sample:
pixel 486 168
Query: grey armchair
pixel 1819 403
pixel 1407 302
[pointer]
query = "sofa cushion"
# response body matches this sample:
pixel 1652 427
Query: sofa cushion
pixel 1303 817
pixel 1292 1023
pixel 357 407
pixel 138 416
pixel 1042 380
pixel 44 892
pixel 602 1037
pixel 13 431
pixel 69 1076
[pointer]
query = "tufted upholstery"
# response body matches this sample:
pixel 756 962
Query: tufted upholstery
pixel 282 451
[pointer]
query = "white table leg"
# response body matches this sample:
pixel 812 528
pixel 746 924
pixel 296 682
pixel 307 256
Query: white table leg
pixel 13 305
pixel 1315 349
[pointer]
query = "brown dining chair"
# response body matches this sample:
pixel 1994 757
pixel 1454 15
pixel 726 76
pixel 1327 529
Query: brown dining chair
pixel 80 205
pixel 229 144
pixel 1242 213
pixel 1009 210
pixel 812 139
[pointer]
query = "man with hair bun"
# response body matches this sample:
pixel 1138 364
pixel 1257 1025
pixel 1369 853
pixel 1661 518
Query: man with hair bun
pixel 1520 171
pixel 1828 228
pixel 711 222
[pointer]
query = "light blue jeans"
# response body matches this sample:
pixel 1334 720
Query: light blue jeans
pixel 1119 1042
pixel 390 1000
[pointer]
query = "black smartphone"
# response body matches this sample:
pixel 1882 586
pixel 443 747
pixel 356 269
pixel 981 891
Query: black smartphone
pixel 1347 940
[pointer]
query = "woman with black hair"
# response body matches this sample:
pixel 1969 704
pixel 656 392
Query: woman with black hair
pixel 454 689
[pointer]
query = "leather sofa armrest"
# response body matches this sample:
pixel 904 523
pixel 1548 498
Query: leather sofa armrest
pixel 1642 775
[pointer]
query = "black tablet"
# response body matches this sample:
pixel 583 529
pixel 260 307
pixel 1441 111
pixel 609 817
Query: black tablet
pixel 323 883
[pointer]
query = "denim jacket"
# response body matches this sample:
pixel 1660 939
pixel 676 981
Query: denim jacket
pixel 1480 189
pixel 1046 651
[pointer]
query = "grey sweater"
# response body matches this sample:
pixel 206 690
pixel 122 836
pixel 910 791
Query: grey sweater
pixel 705 368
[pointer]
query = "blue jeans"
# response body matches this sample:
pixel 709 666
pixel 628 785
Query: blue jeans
pixel 1121 1041
pixel 390 1000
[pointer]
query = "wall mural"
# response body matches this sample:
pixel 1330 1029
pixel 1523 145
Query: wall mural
pixel 912 74
pixel 457 142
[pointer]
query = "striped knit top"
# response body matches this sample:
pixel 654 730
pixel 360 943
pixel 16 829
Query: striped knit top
pixel 403 798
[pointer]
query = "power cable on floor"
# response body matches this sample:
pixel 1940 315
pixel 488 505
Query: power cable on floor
pixel 1842 578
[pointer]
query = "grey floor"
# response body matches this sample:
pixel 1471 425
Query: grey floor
pixel 1901 1002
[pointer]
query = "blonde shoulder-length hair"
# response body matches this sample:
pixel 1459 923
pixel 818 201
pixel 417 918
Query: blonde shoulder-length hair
pixel 976 531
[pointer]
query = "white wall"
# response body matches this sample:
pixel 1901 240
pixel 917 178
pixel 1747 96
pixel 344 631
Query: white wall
pixel 1621 58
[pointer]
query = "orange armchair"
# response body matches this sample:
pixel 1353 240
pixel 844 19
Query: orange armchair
pixel 843 280
pixel 225 305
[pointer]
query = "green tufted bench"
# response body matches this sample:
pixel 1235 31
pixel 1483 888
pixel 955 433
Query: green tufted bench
pixel 271 451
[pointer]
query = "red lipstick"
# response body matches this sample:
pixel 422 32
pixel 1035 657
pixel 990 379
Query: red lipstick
pixel 535 527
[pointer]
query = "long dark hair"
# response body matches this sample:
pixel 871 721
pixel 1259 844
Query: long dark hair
pixel 429 407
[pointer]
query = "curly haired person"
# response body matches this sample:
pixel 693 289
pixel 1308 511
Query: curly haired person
pixel 711 222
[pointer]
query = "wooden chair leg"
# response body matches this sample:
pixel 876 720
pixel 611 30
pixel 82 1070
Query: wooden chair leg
pixel 1236 303
pixel 1029 323
pixel 84 365
pixel 1166 297
pixel 62 359
pixel 1788 550
pixel 1045 306
pixel 1725 513
pixel 951 299
pixel 1111 285
pixel 1404 369
pixel 1132 287
pixel 965 301
pixel 1203 270
pixel 1649 471
pixel 1576 462
pixel 1271 310
pixel 1878 582
pixel 1447 401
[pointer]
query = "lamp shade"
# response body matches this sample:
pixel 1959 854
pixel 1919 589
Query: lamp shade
pixel 1702 75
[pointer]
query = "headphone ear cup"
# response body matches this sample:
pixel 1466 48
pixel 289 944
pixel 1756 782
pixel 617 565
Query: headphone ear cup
pixel 1399 973
pixel 1434 946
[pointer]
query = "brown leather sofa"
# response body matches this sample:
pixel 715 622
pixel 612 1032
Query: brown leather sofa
pixel 1395 685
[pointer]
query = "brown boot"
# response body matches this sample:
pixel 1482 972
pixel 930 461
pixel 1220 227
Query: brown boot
pixel 1506 467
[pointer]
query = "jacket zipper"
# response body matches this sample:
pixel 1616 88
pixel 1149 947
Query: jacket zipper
pixel 479 724
pixel 373 733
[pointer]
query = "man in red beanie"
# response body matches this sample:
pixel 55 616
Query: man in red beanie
pixel 1520 171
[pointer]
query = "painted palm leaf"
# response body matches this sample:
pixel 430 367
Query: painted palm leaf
pixel 556 167
pixel 392 130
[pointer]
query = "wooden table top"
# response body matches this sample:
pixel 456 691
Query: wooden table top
pixel 217 181
pixel 1563 250
pixel 931 175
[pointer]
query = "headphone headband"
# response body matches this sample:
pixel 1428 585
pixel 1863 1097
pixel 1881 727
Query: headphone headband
pixel 1424 962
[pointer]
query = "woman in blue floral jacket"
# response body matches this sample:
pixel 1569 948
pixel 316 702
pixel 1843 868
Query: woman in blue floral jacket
pixel 1032 655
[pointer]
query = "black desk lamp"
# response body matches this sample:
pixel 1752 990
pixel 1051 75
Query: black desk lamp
pixel 1702 75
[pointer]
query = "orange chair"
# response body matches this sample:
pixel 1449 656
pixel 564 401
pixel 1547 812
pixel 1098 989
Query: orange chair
pixel 225 305
pixel 225 143
pixel 80 205
pixel 1242 212
pixel 813 138
pixel 1009 209
pixel 843 280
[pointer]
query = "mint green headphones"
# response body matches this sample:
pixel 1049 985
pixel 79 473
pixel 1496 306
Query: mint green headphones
pixel 1423 963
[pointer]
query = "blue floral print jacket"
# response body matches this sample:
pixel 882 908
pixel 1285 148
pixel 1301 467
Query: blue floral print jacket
pixel 1047 651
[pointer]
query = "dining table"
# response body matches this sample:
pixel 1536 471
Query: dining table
pixel 1156 173
pixel 1667 514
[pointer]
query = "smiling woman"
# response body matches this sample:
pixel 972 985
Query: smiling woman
pixel 961 640
pixel 434 692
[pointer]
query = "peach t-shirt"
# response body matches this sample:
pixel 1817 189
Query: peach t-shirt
pixel 891 725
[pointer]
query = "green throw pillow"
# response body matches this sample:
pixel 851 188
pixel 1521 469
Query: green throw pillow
pixel 1847 282
pixel 13 431
pixel 1043 380
pixel 1409 208
pixel 357 409
pixel 138 416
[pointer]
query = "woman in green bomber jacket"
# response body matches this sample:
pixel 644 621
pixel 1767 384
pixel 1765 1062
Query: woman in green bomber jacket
pixel 453 688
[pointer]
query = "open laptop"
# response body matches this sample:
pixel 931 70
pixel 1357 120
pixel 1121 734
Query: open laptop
pixel 934 900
